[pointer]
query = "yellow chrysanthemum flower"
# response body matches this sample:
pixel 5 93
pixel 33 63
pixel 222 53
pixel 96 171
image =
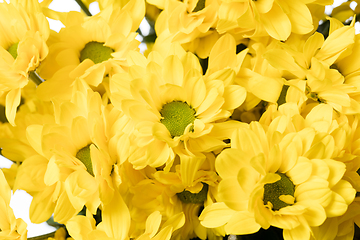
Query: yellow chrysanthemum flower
pixel 24 31
pixel 343 131
pixel 310 68
pixel 190 23
pixel 11 228
pixel 262 81
pixel 262 18
pixel 83 227
pixel 74 165
pixel 160 190
pixel 277 179
pixel 96 46
pixel 14 143
pixel 341 134
pixel 174 108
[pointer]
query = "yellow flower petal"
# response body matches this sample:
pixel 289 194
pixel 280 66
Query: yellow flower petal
pixel 173 70
pixel 246 140
pixel 12 102
pixel 300 17
pixel 215 215
pixel 232 194
pixel 234 96
pixel 277 23
pixel 42 206
pixel 335 44
pixel 189 167
pixel 153 223
pixel 63 210
pixel 176 221
pixel 79 227
pixel 116 218
pixel 299 233
pixel 315 214
pixel 266 88
pixel 301 172
pixel 230 161
pixel 242 223
pixel 282 60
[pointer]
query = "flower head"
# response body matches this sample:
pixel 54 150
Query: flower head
pixel 175 109
pixel 190 23
pixel 278 180
pixel 23 46
pixel 94 46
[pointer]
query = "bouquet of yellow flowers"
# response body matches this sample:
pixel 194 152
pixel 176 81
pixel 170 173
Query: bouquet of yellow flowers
pixel 241 120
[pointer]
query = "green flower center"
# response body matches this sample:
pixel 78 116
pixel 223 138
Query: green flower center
pixel 197 198
pixel 176 116
pixel 13 50
pixel 96 52
pixel 84 156
pixel 273 191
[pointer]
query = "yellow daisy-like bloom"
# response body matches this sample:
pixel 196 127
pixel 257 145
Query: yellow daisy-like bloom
pixel 262 18
pixel 74 165
pixel 270 178
pixel 14 143
pixel 11 228
pixel 310 67
pixel 342 134
pixel 262 81
pixel 191 23
pixel 96 46
pixel 83 227
pixel 25 31
pixel 174 108
pixel 163 191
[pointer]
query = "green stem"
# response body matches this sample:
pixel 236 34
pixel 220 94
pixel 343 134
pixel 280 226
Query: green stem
pixel 45 236
pixel 35 78
pixel 83 7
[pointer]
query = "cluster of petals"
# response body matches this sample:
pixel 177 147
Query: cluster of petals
pixel 186 140
pixel 26 34
pixel 256 157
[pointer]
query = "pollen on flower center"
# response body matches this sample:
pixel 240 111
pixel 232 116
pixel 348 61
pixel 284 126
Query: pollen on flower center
pixel 274 191
pixel 96 52
pixel 197 198
pixel 84 156
pixel 13 50
pixel 176 116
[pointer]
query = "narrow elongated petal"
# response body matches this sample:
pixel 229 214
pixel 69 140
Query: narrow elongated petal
pixel 116 218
